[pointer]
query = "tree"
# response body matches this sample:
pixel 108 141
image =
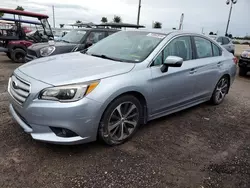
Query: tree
pixel 230 36
pixel 117 19
pixel 1 14
pixel 157 25
pixel 61 25
pixel 20 8
pixel 104 20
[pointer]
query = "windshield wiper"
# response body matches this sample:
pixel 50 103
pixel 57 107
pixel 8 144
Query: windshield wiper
pixel 106 57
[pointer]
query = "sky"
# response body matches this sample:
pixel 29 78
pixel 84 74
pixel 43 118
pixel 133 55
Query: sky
pixel 211 15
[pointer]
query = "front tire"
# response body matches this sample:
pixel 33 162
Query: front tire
pixel 220 91
pixel 18 55
pixel 120 120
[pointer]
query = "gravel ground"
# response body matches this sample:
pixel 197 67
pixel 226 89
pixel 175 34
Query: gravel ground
pixel 205 146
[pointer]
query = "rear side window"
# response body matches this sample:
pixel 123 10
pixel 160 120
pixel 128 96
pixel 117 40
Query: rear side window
pixel 216 50
pixel 219 40
pixel 225 40
pixel 203 47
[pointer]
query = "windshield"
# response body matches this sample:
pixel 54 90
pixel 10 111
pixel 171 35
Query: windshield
pixel 74 36
pixel 131 46
pixel 46 27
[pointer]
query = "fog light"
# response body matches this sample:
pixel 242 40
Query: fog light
pixel 62 132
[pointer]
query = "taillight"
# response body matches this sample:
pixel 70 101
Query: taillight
pixel 235 60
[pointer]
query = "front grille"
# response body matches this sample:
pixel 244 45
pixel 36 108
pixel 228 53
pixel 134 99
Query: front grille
pixel 19 89
pixel 31 52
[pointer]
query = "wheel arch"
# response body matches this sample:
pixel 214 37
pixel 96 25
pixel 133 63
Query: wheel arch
pixel 134 93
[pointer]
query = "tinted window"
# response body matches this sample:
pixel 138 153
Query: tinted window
pixel 95 36
pixel 225 40
pixel 130 46
pixel 203 47
pixel 216 50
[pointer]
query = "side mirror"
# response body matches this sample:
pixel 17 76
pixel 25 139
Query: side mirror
pixel 88 44
pixel 171 61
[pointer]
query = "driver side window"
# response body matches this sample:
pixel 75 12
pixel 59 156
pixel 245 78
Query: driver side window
pixel 180 47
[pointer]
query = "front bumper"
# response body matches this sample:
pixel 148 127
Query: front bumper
pixel 244 63
pixel 37 117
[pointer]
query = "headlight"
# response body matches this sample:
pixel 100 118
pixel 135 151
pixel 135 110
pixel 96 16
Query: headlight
pixel 47 51
pixel 68 93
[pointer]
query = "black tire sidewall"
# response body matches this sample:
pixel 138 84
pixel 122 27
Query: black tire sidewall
pixel 213 98
pixel 103 127
pixel 13 55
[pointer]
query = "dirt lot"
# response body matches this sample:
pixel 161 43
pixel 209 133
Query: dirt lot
pixel 205 146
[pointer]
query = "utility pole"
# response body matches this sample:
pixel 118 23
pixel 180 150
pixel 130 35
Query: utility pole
pixel 54 22
pixel 139 11
pixel 231 2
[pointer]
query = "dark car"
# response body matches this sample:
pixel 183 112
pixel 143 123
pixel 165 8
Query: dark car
pixel 75 40
pixel 244 63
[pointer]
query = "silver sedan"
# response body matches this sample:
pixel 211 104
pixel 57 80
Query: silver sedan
pixel 125 80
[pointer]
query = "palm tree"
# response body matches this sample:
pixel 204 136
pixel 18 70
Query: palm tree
pixel 157 25
pixel 20 8
pixel 117 19
pixel 104 20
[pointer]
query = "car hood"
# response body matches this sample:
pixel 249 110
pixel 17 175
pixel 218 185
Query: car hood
pixel 73 68
pixel 38 46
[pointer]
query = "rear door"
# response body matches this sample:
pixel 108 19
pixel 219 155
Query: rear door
pixel 209 59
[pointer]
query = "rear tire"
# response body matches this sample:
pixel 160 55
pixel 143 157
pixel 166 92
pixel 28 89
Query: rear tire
pixel 18 55
pixel 120 120
pixel 220 91
pixel 242 72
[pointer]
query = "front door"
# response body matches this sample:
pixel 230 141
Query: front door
pixel 173 89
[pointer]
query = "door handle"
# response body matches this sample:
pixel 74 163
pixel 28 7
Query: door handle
pixel 192 71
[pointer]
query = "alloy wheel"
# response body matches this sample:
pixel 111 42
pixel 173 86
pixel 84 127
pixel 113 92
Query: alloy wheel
pixel 123 121
pixel 221 90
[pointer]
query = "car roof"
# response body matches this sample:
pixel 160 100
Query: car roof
pixel 95 29
pixel 168 31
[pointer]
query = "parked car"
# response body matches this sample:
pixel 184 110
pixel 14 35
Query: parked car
pixel 244 63
pixel 225 42
pixel 122 81
pixel 75 40
pixel 59 34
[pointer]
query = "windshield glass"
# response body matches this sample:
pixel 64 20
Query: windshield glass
pixel 46 27
pixel 74 36
pixel 131 46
